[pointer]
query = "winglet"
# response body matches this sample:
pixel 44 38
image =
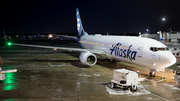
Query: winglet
pixel 5 39
pixel 5 36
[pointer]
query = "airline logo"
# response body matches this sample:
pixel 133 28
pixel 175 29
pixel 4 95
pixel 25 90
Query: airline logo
pixel 79 25
pixel 123 51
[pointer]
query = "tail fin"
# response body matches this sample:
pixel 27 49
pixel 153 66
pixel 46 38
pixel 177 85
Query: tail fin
pixel 79 25
pixel 5 38
pixel 160 36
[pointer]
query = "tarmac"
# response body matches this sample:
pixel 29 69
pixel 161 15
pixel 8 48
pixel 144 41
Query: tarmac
pixel 48 75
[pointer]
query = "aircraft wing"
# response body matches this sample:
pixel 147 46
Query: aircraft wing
pixel 64 36
pixel 61 48
pixel 8 71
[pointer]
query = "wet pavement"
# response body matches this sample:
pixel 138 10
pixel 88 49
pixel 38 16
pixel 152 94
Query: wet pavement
pixel 48 75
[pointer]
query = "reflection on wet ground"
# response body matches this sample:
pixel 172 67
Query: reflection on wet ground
pixel 44 74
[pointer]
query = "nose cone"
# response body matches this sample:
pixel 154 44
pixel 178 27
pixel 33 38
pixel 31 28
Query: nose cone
pixel 170 59
pixel 173 61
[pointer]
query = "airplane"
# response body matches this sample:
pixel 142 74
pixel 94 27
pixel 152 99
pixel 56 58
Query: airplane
pixel 136 50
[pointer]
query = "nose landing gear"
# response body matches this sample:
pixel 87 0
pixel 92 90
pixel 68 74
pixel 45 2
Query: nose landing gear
pixel 152 74
pixel 154 70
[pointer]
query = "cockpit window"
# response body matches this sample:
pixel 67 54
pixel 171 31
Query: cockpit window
pixel 154 49
pixel 161 49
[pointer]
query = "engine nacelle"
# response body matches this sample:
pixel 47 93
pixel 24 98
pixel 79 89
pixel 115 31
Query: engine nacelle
pixel 88 58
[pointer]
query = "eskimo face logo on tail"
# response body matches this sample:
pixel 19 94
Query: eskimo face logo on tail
pixel 125 53
pixel 79 26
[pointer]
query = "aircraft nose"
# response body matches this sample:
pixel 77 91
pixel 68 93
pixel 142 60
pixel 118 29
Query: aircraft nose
pixel 170 59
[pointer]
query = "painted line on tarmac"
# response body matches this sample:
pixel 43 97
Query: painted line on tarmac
pixel 160 96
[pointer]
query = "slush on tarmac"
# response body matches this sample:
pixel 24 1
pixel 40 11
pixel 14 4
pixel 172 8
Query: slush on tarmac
pixel 48 75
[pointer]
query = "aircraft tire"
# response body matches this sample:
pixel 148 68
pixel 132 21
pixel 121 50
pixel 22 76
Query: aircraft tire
pixel 154 74
pixel 135 88
pixel 150 74
pixel 132 89
pixel 112 85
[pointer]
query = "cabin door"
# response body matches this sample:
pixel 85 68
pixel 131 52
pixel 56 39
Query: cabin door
pixel 139 52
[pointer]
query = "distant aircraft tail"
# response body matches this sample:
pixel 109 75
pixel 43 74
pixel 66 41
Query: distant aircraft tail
pixel 79 25
pixel 5 38
pixel 160 36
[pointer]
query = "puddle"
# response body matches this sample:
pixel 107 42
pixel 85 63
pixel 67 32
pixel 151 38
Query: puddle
pixel 172 87
pixel 88 75
pixel 58 65
pixel 84 75
pixel 97 74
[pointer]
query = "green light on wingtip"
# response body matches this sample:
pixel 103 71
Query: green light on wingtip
pixel 9 43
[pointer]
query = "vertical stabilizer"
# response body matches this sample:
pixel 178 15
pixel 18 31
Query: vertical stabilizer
pixel 160 36
pixel 5 38
pixel 79 25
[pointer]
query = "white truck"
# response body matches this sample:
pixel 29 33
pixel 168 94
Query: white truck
pixel 177 75
pixel 124 78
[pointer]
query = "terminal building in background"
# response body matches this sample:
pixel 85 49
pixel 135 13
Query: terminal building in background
pixel 165 37
pixel 170 39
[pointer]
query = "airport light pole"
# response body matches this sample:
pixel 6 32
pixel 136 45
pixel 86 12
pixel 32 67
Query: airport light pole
pixel 147 30
pixel 163 20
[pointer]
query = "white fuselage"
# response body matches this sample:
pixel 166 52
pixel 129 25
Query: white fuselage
pixel 134 50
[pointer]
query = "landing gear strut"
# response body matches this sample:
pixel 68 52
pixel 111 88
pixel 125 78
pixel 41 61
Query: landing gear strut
pixel 152 74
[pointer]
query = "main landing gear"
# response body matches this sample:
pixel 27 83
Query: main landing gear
pixel 152 74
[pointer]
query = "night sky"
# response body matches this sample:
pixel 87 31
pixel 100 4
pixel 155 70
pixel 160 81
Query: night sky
pixel 98 16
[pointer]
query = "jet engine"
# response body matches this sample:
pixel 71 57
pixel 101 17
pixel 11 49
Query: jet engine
pixel 88 58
